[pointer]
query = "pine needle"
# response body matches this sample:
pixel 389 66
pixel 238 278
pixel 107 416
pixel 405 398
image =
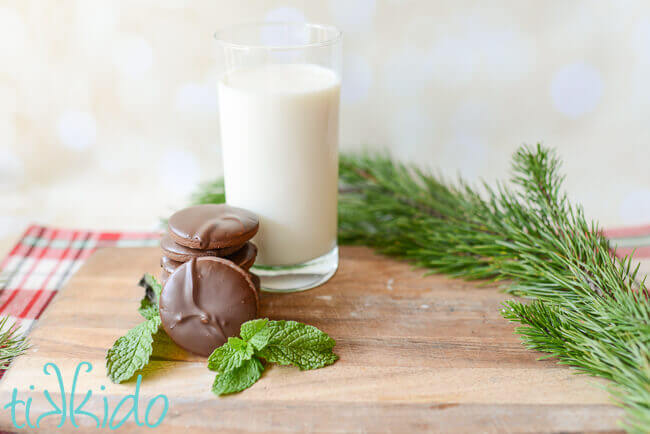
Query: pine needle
pixel 12 343
pixel 590 309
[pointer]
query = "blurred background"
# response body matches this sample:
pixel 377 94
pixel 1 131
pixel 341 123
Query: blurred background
pixel 108 109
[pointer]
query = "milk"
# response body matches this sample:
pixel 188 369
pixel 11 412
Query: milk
pixel 279 138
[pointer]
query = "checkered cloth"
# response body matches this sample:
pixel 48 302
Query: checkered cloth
pixel 45 258
pixel 631 240
pixel 43 261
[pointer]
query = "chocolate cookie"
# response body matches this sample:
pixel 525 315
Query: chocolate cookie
pixel 205 301
pixel 212 226
pixel 257 283
pixel 180 253
pixel 164 275
pixel 244 257
pixel 169 265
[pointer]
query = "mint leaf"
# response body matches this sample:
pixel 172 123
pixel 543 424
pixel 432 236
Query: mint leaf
pixel 256 333
pixel 237 344
pixel 131 352
pixel 301 345
pixel 147 309
pixel 230 355
pixel 249 328
pixel 303 358
pixel 239 378
pixel 149 303
pixel 152 287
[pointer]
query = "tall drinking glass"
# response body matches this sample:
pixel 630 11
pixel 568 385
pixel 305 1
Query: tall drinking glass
pixel 279 115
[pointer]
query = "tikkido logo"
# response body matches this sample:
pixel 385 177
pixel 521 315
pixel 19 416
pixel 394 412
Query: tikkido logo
pixel 65 408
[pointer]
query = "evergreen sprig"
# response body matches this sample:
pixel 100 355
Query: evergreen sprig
pixel 590 310
pixel 12 342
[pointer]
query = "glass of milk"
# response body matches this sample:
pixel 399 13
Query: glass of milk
pixel 279 118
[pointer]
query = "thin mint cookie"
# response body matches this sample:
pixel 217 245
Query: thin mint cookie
pixel 257 283
pixel 180 253
pixel 205 301
pixel 212 226
pixel 244 257
pixel 164 275
pixel 168 264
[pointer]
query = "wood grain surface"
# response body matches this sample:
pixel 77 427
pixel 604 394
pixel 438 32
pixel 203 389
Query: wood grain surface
pixel 417 354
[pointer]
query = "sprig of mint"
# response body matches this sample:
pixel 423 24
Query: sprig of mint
pixel 238 363
pixel 131 352
pixel 149 303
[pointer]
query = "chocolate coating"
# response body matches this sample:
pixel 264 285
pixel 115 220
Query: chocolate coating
pixel 169 265
pixel 164 275
pixel 212 226
pixel 205 301
pixel 257 283
pixel 180 253
pixel 244 257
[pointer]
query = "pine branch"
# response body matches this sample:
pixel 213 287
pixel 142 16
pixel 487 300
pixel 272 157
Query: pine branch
pixel 211 192
pixel 12 343
pixel 590 309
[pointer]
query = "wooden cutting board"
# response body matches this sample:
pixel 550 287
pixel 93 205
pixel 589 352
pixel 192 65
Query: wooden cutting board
pixel 417 354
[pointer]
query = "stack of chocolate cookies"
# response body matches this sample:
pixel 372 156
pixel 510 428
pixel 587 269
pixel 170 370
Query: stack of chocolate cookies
pixel 220 231
pixel 208 292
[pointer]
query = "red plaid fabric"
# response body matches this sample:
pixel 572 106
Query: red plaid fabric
pixel 634 240
pixel 45 258
pixel 43 261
